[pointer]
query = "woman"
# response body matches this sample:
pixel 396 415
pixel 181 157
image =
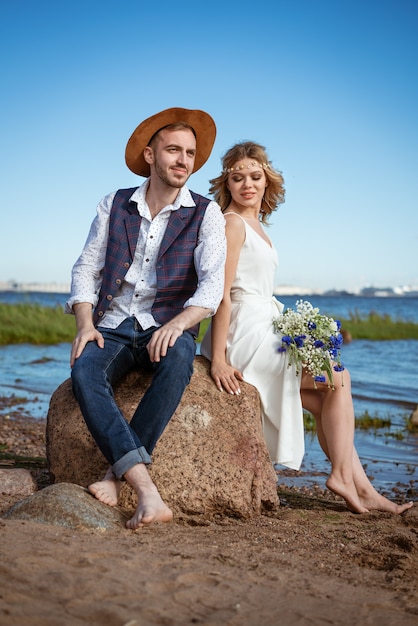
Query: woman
pixel 242 344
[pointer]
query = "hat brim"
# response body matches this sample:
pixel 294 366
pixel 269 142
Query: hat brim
pixel 201 122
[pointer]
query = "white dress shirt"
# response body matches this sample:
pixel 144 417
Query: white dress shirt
pixel 138 290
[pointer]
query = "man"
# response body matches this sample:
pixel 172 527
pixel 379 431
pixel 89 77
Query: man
pixel 152 268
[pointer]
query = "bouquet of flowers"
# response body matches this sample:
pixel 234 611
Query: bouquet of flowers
pixel 311 340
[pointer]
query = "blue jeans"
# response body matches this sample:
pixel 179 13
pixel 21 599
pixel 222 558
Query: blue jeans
pixel 98 369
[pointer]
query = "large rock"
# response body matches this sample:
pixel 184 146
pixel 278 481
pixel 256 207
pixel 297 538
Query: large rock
pixel 211 458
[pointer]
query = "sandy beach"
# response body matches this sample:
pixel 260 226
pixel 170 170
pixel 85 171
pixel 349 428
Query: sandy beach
pixel 311 562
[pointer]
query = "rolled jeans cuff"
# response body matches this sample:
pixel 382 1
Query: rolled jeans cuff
pixel 131 458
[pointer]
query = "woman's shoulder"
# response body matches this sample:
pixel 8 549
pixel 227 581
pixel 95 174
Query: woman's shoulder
pixel 236 215
pixel 235 227
pixel 230 219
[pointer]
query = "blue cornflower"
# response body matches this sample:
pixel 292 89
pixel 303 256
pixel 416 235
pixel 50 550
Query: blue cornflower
pixel 336 340
pixel 299 341
pixel 312 340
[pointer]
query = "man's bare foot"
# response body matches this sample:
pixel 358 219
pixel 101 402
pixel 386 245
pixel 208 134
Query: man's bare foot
pixel 107 490
pixel 151 507
pixel 348 492
pixel 377 502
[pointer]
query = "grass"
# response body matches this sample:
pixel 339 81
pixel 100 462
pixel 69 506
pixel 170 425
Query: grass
pixel 12 460
pixel 372 326
pixel 378 327
pixel 365 421
pixel 36 324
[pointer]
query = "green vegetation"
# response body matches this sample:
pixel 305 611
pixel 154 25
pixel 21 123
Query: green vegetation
pixel 36 324
pixel 367 422
pixel 378 327
pixel 203 328
pixel 410 427
pixel 32 323
pixel 372 326
pixel 309 423
pixel 12 460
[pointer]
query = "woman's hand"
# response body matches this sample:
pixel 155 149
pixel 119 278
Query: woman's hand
pixel 226 377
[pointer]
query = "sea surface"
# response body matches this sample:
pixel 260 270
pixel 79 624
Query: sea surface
pixel 384 383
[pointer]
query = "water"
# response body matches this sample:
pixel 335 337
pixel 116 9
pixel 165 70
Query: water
pixel 399 308
pixel 384 382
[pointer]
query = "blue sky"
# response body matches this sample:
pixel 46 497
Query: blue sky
pixel 329 87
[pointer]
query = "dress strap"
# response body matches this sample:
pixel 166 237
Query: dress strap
pixel 237 214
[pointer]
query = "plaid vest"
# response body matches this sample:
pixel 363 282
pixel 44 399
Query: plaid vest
pixel 176 274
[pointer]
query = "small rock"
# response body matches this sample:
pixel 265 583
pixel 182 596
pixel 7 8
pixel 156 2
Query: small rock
pixel 17 482
pixel 414 417
pixel 65 504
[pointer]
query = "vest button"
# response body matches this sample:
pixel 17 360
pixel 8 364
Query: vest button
pixel 126 265
pixel 100 314
pixel 109 297
pixel 118 281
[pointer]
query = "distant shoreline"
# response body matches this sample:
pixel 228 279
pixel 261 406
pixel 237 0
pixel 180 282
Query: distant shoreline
pixel 36 288
pixel 295 292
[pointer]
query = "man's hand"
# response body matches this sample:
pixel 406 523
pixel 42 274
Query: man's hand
pixel 85 330
pixel 166 336
pixel 163 338
pixel 80 341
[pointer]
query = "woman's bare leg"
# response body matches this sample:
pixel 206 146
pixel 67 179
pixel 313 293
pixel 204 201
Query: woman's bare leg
pixel 320 404
pixel 336 434
pixel 368 495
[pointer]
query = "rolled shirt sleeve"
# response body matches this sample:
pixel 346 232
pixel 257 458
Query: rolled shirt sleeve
pixel 86 277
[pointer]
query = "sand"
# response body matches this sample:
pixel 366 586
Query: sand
pixel 310 563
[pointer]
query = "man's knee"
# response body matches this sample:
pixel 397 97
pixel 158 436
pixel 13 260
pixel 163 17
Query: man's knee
pixel 79 375
pixel 179 358
pixel 183 351
pixel 84 371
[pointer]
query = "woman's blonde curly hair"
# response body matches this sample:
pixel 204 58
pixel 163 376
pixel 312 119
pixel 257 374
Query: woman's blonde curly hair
pixel 274 193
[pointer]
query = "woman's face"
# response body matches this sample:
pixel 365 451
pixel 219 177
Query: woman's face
pixel 247 182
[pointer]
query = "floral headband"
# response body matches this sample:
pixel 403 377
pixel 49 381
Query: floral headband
pixel 265 166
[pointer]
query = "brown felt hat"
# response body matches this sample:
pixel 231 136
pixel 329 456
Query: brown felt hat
pixel 201 122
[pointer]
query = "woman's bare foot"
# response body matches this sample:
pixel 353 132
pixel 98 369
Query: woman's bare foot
pixel 151 507
pixel 374 500
pixel 107 490
pixel 348 492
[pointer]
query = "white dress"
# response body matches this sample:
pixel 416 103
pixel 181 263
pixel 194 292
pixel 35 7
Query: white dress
pixel 252 348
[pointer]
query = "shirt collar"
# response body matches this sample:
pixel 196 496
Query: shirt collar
pixel 184 197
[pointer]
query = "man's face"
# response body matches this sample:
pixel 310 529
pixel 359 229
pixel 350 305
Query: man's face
pixel 172 156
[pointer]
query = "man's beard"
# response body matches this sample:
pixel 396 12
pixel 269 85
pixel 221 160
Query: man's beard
pixel 169 181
